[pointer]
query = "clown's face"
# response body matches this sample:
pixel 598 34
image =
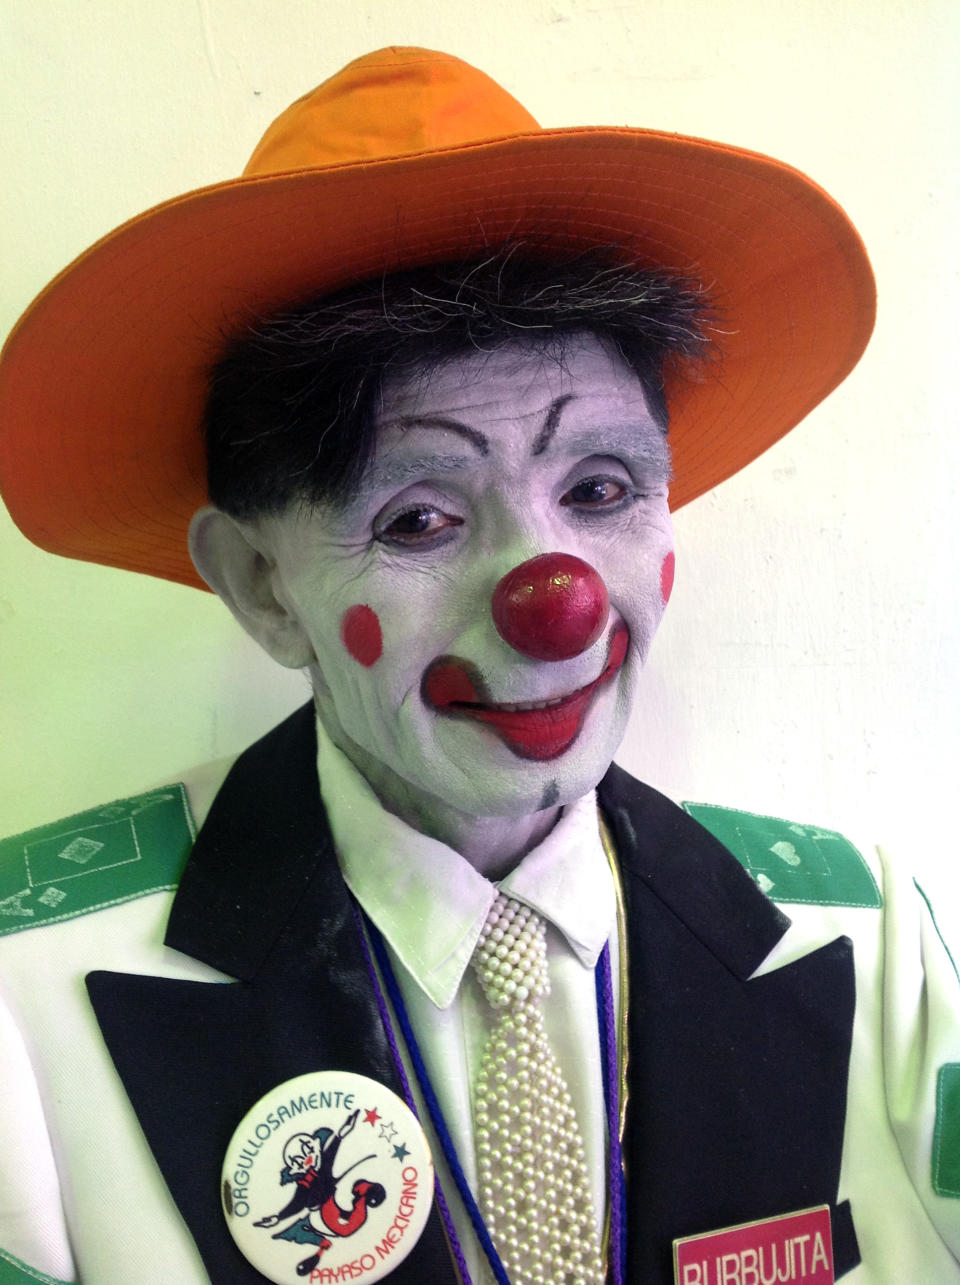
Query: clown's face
pixel 302 1154
pixel 485 464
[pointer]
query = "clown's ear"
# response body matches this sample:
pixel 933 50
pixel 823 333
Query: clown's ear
pixel 236 560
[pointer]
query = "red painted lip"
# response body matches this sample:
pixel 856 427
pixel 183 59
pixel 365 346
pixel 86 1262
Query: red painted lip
pixel 454 687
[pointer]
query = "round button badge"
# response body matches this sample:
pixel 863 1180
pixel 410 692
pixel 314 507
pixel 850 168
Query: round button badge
pixel 328 1178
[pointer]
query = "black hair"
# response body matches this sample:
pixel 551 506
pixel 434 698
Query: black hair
pixel 292 405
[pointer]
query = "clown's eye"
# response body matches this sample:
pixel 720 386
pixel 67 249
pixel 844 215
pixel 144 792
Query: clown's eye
pixel 418 524
pixel 595 493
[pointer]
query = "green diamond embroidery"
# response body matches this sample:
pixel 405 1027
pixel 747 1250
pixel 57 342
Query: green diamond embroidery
pixel 946 1133
pixel 97 858
pixel 791 862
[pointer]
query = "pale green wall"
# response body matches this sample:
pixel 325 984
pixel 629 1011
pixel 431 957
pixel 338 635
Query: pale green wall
pixel 809 660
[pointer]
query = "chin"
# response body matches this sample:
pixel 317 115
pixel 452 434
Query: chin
pixel 543 789
pixel 503 784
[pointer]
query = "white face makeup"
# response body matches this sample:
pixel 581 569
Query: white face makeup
pixel 487 463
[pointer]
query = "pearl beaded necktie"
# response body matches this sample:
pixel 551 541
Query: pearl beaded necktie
pixel 534 1190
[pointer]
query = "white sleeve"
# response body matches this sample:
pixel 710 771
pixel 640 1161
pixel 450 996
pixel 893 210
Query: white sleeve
pixel 921 1040
pixel 33 1236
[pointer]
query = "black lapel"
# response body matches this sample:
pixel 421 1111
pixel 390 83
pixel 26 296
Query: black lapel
pixel 262 899
pixel 737 1087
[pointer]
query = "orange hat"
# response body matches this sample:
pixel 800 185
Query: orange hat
pixel 405 157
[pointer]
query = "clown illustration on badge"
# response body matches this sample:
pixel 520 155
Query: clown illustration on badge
pixel 309 1162
pixel 326 1174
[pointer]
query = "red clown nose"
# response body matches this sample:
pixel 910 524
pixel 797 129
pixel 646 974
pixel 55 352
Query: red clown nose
pixel 552 607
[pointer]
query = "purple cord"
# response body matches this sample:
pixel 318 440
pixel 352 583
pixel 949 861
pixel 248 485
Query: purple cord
pixel 433 1106
pixel 608 1053
pixel 408 1096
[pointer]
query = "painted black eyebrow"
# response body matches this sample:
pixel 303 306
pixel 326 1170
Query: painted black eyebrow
pixel 472 435
pixel 545 436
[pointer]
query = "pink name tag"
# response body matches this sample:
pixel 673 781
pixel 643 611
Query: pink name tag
pixel 792 1249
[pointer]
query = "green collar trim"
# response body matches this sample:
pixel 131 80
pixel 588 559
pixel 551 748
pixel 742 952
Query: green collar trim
pixel 94 859
pixel 15 1272
pixel 946 1135
pixel 792 863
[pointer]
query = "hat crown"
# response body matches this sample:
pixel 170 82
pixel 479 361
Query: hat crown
pixel 392 102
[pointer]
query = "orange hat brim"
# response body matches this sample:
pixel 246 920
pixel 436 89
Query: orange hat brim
pixel 103 381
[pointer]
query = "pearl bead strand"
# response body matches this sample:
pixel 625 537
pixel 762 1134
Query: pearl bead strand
pixel 534 1187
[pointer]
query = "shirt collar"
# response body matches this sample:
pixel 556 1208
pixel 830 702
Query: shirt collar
pixel 430 903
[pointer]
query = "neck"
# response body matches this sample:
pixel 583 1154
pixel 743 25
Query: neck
pixel 492 845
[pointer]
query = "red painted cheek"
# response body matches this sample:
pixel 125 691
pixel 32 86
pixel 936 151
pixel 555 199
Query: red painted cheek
pixel 361 634
pixel 666 577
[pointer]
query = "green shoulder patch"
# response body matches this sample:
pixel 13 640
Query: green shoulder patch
pixel 99 858
pixel 946 1133
pixel 803 864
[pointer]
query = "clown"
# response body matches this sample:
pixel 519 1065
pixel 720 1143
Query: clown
pixel 308 1162
pixel 470 366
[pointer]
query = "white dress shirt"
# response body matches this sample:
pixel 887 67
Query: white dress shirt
pixel 430 904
